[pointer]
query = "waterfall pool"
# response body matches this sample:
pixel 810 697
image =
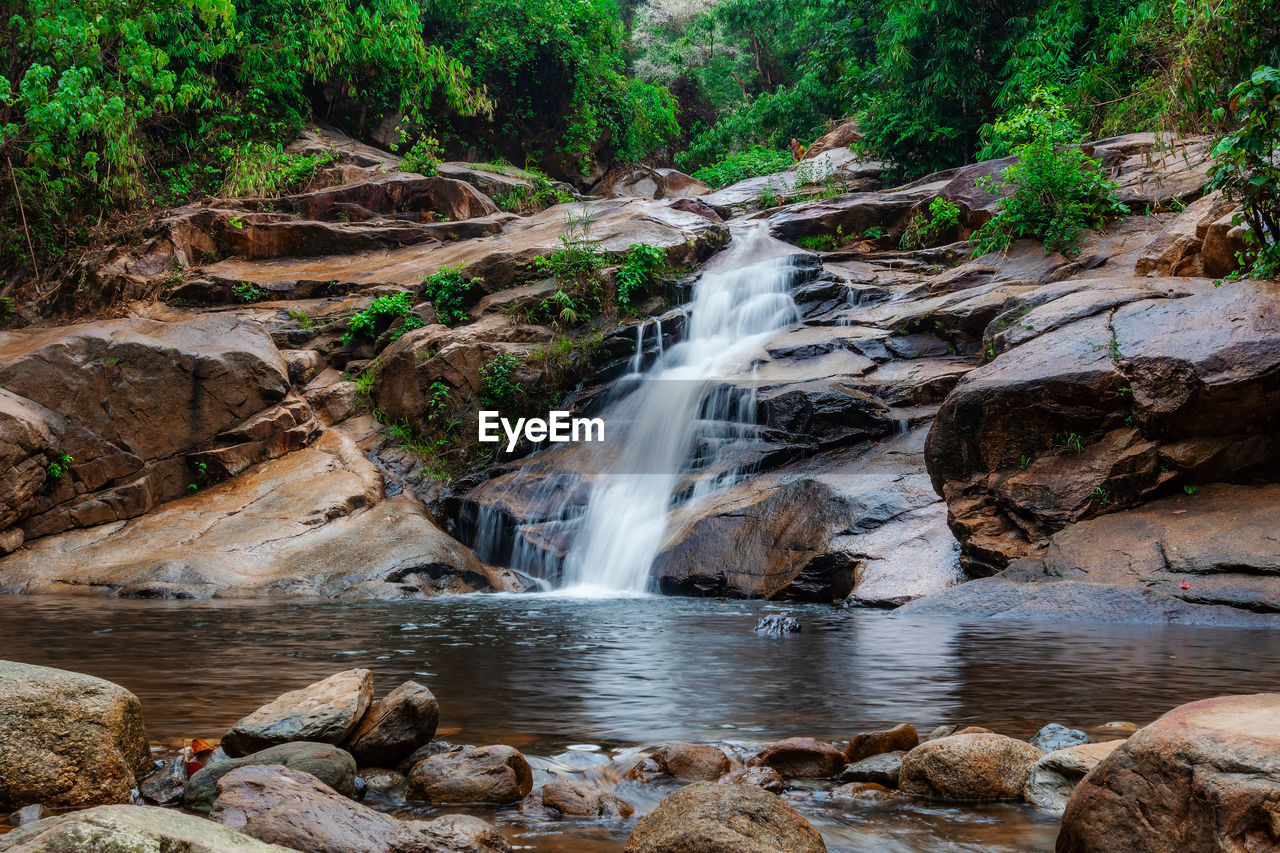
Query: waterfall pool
pixel 544 672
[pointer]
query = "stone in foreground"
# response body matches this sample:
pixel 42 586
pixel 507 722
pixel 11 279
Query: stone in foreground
pixel 694 762
pixel 324 712
pixel 67 739
pixel 130 829
pixel 1205 776
pixel 567 798
pixel 709 818
pixel 1055 776
pixel 331 765
pixel 486 774
pixel 762 777
pixel 980 766
pixel 297 810
pixel 395 726
pixel 800 758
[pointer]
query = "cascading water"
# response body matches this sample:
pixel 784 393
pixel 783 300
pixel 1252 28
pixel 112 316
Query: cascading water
pixel 671 430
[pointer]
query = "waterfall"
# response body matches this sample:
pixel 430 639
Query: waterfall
pixel 671 428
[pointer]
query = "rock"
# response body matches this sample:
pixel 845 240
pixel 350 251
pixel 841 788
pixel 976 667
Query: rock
pixel 486 774
pixel 883 769
pixel 762 777
pixel 135 829
pixel 843 136
pixel 67 740
pixel 800 758
pixel 331 765
pixel 1177 250
pixel 436 747
pixel 165 785
pixel 28 814
pixel 383 780
pixel 395 725
pixel 709 818
pixel 295 809
pixel 568 798
pixel 900 738
pixel 1205 776
pixel 862 791
pixel 1054 736
pixel 837 168
pixel 314 523
pixel 972 730
pixel 968 767
pixel 942 731
pixel 647 182
pixel 324 712
pixel 1055 776
pixel 695 762
pixel 1122 727
pixel 777 625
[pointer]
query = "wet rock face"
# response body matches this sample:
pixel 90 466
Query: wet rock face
pixel 1204 776
pixel 1057 736
pixel 800 758
pixel 1054 777
pixel 568 798
pixel 710 818
pixel 762 777
pixel 395 726
pixel 645 182
pixel 900 738
pixel 67 739
pixel 331 765
pixel 968 767
pixel 487 774
pixel 296 810
pixel 690 761
pixel 130 828
pixel 324 712
pixel 883 769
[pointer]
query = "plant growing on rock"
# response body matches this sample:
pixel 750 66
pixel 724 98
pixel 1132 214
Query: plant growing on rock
pixel 752 163
pixel 639 271
pixel 497 388
pixel 1248 168
pixel 263 170
pixel 422 158
pixel 576 265
pixel 446 289
pixel 922 229
pixel 1057 192
pixel 247 291
pixel 380 315
pixel 59 466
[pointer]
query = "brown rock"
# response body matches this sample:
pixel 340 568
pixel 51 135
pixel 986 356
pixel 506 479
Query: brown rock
pixel 842 136
pixel 108 829
pixel 324 712
pixel 333 766
pixel 863 791
pixel 972 730
pixel 395 725
pixel 709 818
pixel 800 758
pixel 1205 776
pixel 647 182
pixel 568 798
pixel 968 767
pixel 883 769
pixel 695 762
pixel 67 740
pixel 762 777
pixel 487 774
pixel 899 738
pixel 296 810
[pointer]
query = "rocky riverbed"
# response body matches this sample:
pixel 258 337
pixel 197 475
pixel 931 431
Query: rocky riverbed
pixel 333 767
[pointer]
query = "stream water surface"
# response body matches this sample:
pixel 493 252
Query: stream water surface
pixel 545 672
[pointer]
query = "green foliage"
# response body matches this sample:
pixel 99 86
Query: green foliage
pixel 541 192
pixel 579 258
pixel 202 476
pixel 752 163
pixel 561 308
pixel 247 291
pixel 446 289
pixel 1057 192
pixel 380 315
pixel 1247 168
pixel 497 388
pixel 819 242
pixel 1044 116
pixel 422 158
pixel 303 319
pixel 639 271
pixel 59 466
pixel 922 229
pixel 7 311
pixel 263 170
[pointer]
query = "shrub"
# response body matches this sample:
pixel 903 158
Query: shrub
pixel 59 466
pixel 1057 192
pixel 639 272
pixel 247 291
pixel 263 170
pixel 496 386
pixel 751 163
pixel 447 290
pixel 422 158
pixel 1248 168
pixel 380 315
pixel 1045 116
pixel 922 229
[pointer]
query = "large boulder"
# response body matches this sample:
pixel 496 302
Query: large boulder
pixel 800 758
pixel 324 712
pixel 487 774
pixel 568 798
pixel 395 726
pixel 331 765
pixel 314 523
pixel 131 829
pixel 1204 777
pixel 297 810
pixel 67 739
pixel 981 766
pixel 694 762
pixel 648 182
pixel 1054 777
pixel 133 403
pixel 709 818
